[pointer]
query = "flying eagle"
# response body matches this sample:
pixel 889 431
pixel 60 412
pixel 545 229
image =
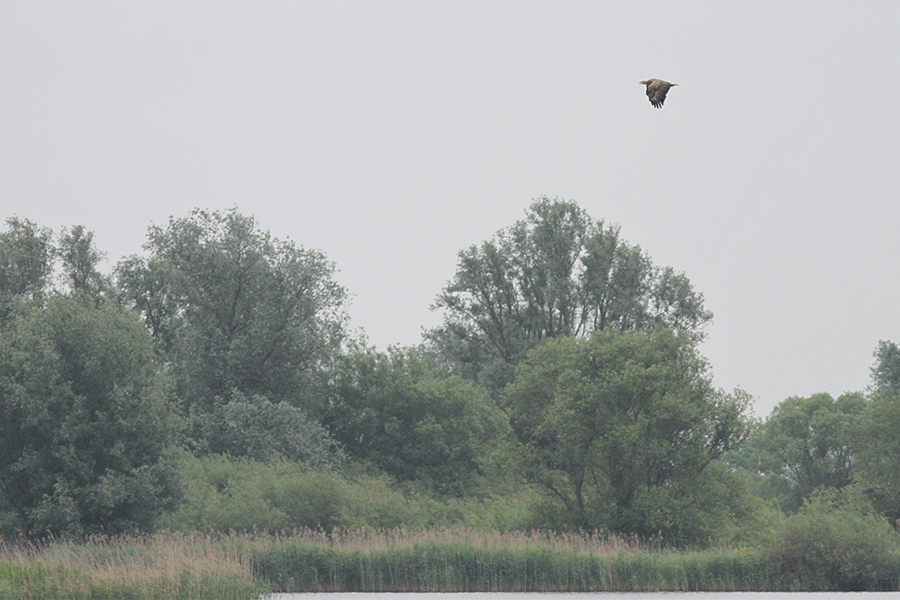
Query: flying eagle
pixel 657 90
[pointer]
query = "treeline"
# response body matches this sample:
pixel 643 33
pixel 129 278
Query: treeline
pixel 212 384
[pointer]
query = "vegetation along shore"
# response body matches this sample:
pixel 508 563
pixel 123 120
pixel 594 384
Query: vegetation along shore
pixel 819 552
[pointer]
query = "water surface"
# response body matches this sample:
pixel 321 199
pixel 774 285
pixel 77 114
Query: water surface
pixel 584 596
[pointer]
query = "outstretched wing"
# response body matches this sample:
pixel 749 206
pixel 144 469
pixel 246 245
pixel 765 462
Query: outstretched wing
pixel 656 92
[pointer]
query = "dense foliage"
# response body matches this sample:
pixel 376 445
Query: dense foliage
pixel 256 428
pixel 878 453
pixel 86 426
pixel 556 273
pixel 616 426
pixel 835 542
pixel 26 254
pixel 806 444
pixel 886 370
pixel 236 310
pixel 390 409
pixel 240 315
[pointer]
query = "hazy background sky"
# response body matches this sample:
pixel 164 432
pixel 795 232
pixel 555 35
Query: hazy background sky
pixel 391 135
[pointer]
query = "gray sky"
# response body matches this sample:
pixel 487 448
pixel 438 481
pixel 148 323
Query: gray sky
pixel 391 135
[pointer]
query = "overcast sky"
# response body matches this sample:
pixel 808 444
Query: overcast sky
pixel 391 135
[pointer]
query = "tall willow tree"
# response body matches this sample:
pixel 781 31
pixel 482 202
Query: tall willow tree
pixel 558 272
pixel 391 410
pixel 235 309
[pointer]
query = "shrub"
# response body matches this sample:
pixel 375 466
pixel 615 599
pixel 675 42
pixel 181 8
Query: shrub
pixel 225 494
pixel 228 494
pixel 836 542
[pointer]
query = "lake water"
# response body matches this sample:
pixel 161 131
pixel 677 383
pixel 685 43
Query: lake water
pixel 590 596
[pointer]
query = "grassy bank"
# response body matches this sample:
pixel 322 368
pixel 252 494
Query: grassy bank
pixel 188 566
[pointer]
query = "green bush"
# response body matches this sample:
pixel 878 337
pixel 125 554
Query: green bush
pixel 836 542
pixel 229 494
pixel 260 430
pixel 226 494
pixel 372 502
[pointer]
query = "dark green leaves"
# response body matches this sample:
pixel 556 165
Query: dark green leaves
pixel 606 420
pixel 391 410
pixel 808 442
pixel 85 422
pixel 236 309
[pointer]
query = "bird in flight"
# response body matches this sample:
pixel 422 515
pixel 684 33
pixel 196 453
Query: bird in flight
pixel 657 90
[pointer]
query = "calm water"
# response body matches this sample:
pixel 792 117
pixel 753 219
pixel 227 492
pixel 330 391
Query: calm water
pixel 591 596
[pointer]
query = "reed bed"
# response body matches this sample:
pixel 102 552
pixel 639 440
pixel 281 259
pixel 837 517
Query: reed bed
pixel 480 561
pixel 166 565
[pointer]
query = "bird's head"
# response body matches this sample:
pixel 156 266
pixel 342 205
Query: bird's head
pixel 644 82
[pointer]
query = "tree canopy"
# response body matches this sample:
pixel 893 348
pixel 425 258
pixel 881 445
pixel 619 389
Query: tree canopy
pixel 392 410
pixel 564 391
pixel 808 442
pixel 877 456
pixel 80 259
pixel 609 420
pixel 235 309
pixel 86 424
pixel 26 261
pixel 260 430
pixel 886 370
pixel 556 273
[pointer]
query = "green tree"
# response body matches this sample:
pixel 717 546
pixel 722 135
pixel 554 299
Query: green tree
pixel 877 444
pixel 808 442
pixel 80 259
pixel 146 286
pixel 556 273
pixel 236 310
pixel 86 426
pixel 886 370
pixel 617 426
pixel 877 436
pixel 26 262
pixel 391 410
pixel 262 431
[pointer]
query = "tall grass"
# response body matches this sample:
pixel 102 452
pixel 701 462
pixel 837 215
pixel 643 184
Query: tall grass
pixel 153 566
pixel 479 561
pixel 812 554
